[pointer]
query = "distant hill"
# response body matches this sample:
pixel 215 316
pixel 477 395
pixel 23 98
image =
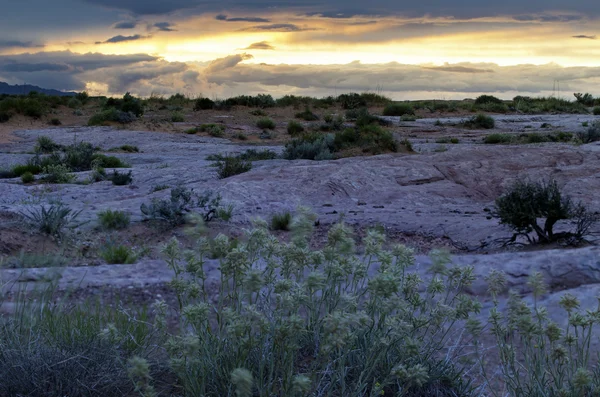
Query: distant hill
pixel 26 89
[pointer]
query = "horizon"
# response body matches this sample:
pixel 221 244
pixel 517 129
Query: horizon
pixel 224 49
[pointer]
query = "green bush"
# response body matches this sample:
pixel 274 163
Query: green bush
pixel 310 147
pixel 398 109
pixel 215 130
pixel 4 116
pixel 307 115
pixel 113 220
pixel 118 254
pixel 592 134
pixel 370 138
pixel 125 148
pixel 481 121
pixel 232 165
pixel 74 103
pixel 121 179
pixel 488 99
pixel 203 104
pixel 294 128
pixel 525 203
pixel 111 115
pixel 584 99
pixel 108 161
pixel 58 173
pixel 27 177
pixel 318 322
pixel 351 101
pixel 596 111
pixel 498 138
pixel 19 170
pixel 177 117
pixel 281 221
pixel 55 122
pixel 265 124
pixel 258 112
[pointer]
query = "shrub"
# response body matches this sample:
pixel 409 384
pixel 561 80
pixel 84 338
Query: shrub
pixel 57 173
pixel 55 121
pixel 125 148
pixel 596 111
pixel 131 104
pixel 108 161
pixel 398 109
pixel 294 128
pixel 258 112
pixel 526 202
pixel 46 145
pixel 203 104
pixel 19 170
pixel 215 130
pixel 281 221
pixel 74 103
pixel 27 177
pixel 225 213
pixel 314 322
pixel 584 99
pixel 498 138
pixel 592 134
pixel 121 179
pixel 118 254
pixel 231 165
pixel 257 155
pixel 480 121
pixel 4 116
pixel 181 202
pixel 265 124
pixel 310 147
pixel 487 99
pixel 111 115
pixel 113 220
pixel 53 219
pixel 307 115
pixel 352 101
pixel 370 138
pixel 158 188
pixel 177 117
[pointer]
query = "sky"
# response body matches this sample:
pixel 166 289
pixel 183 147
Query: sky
pixel 427 49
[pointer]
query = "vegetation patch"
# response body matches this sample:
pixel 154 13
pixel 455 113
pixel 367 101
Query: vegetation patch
pixel 113 220
pixel 182 201
pixel 282 221
pixel 398 109
pixel 232 165
pixel 265 124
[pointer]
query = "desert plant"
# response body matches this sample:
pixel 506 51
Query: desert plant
pixel 498 138
pixel 525 203
pixel 314 322
pixel 487 99
pixel 107 116
pixel 121 179
pixel 216 130
pixel 398 109
pixel 54 121
pixel 310 147
pixel 125 148
pixel 113 220
pixel 307 115
pixel 52 219
pixel 19 170
pixel 181 202
pixel 480 121
pixel 45 145
pixel 294 128
pixel 57 173
pixel 225 213
pixel 117 254
pixel 232 165
pixel 585 99
pixel 351 101
pixel 158 188
pixel 265 124
pixel 177 117
pixel 596 111
pixel 281 221
pixel 592 134
pixel 27 177
pixel 258 112
pixel 4 116
pixel 203 104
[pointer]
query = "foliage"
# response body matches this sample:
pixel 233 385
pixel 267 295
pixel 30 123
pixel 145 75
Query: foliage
pixel 117 254
pixel 480 121
pixel 248 155
pixel 538 357
pixel 596 111
pixel 310 147
pixel 370 138
pixel 19 170
pixel 57 173
pixel 232 165
pixel 46 145
pixel 265 124
pixel 307 115
pixel 128 104
pixel 527 202
pixel 585 99
pixel 27 177
pixel 281 221
pixel 54 121
pixel 294 128
pixel 592 134
pixel 498 138
pixel 52 219
pixel 487 99
pixel 181 202
pixel 203 104
pixel 351 101
pixel 530 105
pixel 216 130
pixel 107 116
pixel 177 117
pixel 121 179
pixel 293 321
pixel 113 220
pixel 125 148
pixel 398 109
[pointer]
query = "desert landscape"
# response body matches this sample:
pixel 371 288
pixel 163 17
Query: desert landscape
pixel 127 203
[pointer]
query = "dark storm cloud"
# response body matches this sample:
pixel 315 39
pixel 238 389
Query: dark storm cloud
pixel 35 67
pixel 164 26
pixel 121 39
pixel 277 27
pixel 125 25
pixel 17 44
pixel 262 45
pixel 583 36
pixel 225 18
pixel 78 62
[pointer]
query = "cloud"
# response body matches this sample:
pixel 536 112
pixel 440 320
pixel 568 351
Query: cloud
pixel 261 45
pixel 225 18
pixel 35 67
pixel 164 26
pixel 227 62
pixel 125 25
pixel 121 39
pixel 18 44
pixel 458 69
pixel 277 27
pixel 548 18
pixel 583 36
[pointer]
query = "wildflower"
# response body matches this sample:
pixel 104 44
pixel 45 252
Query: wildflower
pixel 496 283
pixel 242 380
pixel 582 378
pixel 301 384
pixel 569 302
pixel 536 282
